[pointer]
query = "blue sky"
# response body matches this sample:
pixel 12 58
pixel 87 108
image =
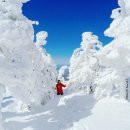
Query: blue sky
pixel 66 20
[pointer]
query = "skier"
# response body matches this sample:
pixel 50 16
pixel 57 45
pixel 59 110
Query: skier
pixel 59 89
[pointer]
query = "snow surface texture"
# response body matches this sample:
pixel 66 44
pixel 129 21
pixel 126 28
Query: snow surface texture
pixel 30 70
pixel 76 111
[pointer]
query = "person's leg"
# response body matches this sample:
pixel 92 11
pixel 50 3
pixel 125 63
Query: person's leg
pixel 62 93
pixel 58 93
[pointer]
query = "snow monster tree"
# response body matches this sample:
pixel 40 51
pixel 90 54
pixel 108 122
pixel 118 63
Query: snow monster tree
pixel 116 55
pixel 84 63
pixel 20 69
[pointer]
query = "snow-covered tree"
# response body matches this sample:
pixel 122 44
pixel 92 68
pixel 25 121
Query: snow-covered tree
pixel 116 55
pixel 22 66
pixel 16 33
pixel 20 59
pixel 84 63
pixel 45 66
pixel 63 74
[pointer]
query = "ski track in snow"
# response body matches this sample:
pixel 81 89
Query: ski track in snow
pixel 72 112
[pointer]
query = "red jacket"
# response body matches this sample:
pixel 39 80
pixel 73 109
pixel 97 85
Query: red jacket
pixel 59 87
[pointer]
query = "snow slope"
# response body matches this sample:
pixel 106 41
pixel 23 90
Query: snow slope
pixel 76 111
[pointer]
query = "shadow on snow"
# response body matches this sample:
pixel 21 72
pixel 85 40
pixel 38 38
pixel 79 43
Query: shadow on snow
pixel 59 114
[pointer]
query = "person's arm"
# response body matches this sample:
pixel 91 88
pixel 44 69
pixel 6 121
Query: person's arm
pixel 63 85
